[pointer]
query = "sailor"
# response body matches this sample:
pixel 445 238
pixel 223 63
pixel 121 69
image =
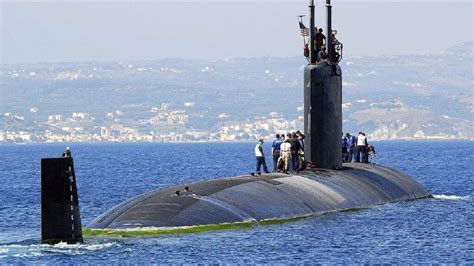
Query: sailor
pixel 295 149
pixel 291 141
pixel 351 146
pixel 370 152
pixel 276 151
pixel 320 39
pixel 260 157
pixel 285 154
pixel 361 141
pixel 306 51
pixel 300 138
pixel 66 153
pixel 336 47
pixel 345 146
pixel 301 158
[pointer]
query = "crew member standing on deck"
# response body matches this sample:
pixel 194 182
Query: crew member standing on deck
pixel 301 159
pixel 361 155
pixel 351 146
pixel 300 139
pixel 292 144
pixel 345 147
pixel 285 153
pixel 276 151
pixel 260 157
pixel 295 149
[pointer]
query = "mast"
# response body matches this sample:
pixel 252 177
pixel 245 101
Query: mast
pixel 329 42
pixel 312 34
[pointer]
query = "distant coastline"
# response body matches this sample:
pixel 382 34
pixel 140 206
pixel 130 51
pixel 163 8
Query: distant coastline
pixel 180 100
pixel 207 142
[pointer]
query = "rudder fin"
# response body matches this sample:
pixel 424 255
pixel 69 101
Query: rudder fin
pixel 60 215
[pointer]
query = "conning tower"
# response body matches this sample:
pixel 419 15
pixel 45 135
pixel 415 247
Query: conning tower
pixel 323 100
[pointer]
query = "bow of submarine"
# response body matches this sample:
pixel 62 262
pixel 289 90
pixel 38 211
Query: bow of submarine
pixel 266 197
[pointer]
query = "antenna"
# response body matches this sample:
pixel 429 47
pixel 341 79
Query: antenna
pixel 312 51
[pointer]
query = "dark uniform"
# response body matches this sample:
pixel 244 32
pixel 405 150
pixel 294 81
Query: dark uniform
pixel 276 152
pixel 320 38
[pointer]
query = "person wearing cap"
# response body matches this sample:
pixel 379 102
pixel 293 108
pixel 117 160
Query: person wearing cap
pixel 260 157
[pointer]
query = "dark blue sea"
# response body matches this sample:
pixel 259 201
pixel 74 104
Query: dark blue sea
pixel 438 230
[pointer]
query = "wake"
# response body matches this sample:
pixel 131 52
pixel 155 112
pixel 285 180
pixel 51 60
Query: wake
pixel 451 197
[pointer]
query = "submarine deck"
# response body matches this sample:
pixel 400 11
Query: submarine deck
pixel 259 198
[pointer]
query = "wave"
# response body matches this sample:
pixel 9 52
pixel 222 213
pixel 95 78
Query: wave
pixel 451 197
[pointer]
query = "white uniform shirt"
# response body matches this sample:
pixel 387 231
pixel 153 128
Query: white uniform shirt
pixel 285 147
pixel 258 153
pixel 361 140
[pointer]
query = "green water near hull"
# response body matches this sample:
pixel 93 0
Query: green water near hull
pixel 186 229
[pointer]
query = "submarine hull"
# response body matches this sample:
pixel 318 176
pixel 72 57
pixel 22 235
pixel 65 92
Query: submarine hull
pixel 266 197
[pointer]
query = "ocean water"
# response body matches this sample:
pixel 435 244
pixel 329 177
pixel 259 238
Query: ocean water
pixel 438 230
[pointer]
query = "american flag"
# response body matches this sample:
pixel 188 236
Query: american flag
pixel 303 29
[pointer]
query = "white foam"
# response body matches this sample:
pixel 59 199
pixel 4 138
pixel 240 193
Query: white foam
pixel 99 246
pixel 64 245
pixel 451 197
pixel 38 250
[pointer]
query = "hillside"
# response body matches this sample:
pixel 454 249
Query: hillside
pixel 395 97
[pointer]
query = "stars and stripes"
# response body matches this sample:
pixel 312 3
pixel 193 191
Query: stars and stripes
pixel 304 31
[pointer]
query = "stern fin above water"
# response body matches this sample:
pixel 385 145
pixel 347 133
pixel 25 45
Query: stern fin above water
pixel 60 215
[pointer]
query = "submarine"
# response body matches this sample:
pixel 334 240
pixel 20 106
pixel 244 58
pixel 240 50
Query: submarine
pixel 329 185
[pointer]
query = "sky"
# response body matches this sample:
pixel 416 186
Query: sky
pixel 65 31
